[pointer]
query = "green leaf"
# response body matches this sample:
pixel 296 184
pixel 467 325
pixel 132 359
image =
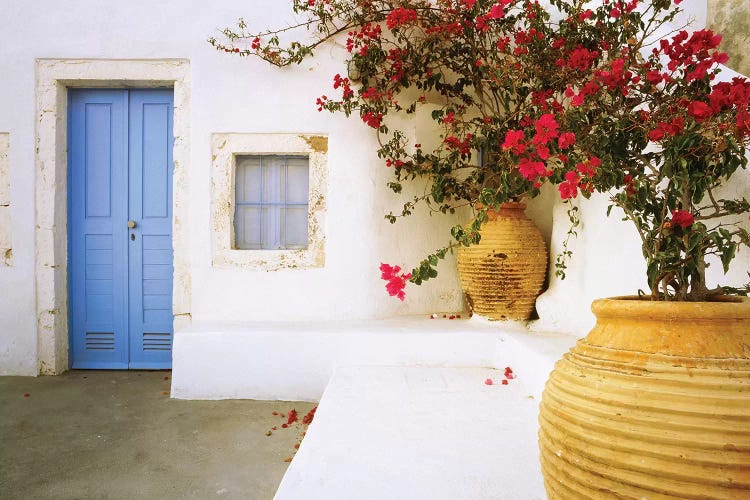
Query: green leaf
pixel 727 255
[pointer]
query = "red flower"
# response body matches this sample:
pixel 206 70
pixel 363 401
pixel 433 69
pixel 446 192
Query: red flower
pixel 588 168
pixel 699 110
pixel 581 58
pixel 307 419
pixel 654 77
pixel 743 123
pixel 372 119
pixel 615 12
pixel 682 218
pixel 497 11
pixel 542 152
pixel 399 17
pixel 566 140
pixel 488 382
pixel 569 188
pixel 530 170
pixel 546 129
pixel 513 140
pixel 371 93
pixel 292 417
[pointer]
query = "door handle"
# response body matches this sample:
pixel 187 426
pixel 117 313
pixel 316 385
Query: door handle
pixel 131 224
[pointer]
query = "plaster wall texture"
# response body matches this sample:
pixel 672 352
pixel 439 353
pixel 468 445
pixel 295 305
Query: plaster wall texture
pixel 731 18
pixel 232 95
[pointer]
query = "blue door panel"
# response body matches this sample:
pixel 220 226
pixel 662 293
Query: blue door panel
pixel 150 202
pixel 98 251
pixel 120 169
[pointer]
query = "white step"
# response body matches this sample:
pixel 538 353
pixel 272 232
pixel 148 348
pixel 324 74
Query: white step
pixel 421 433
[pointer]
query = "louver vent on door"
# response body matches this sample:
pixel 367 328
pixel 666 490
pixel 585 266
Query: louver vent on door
pixel 100 341
pixel 157 341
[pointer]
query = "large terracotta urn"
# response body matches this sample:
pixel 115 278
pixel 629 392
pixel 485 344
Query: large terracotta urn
pixel 654 403
pixel 504 273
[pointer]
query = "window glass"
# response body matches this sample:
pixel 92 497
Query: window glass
pixel 271 198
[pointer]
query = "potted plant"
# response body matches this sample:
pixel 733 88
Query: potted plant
pixel 654 401
pixel 475 69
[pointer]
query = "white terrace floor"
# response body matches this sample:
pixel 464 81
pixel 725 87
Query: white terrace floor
pixel 405 412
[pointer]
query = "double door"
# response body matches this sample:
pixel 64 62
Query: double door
pixel 120 228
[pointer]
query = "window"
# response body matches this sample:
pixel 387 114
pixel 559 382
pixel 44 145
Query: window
pixel 268 200
pixel 271 202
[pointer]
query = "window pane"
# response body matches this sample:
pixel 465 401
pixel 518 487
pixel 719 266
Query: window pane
pixel 273 179
pixel 297 180
pixel 247 180
pixel 272 223
pixel 247 227
pixel 296 227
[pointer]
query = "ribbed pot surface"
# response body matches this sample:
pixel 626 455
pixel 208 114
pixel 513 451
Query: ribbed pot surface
pixel 653 403
pixel 503 274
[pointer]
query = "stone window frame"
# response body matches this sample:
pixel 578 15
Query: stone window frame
pixel 6 242
pixel 53 79
pixel 225 148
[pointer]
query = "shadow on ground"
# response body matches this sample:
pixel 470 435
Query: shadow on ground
pixel 112 435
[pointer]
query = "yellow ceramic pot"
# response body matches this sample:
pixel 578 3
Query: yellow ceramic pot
pixel 503 274
pixel 653 403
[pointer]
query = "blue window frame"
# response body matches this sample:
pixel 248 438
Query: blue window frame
pixel 271 202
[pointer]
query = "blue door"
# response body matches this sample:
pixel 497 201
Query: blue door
pixel 120 228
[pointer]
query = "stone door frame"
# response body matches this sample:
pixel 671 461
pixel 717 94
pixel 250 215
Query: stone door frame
pixel 53 79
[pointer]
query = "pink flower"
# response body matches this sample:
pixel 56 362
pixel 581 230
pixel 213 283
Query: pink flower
pixel 395 282
pixel 488 382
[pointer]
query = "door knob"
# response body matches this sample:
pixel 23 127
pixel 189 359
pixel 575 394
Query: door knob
pixel 131 224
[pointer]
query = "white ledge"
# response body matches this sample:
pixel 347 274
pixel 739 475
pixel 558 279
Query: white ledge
pixel 295 360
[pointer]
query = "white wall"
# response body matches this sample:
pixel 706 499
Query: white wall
pixel 230 94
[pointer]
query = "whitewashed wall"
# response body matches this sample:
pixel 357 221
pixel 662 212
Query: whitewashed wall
pixel 229 94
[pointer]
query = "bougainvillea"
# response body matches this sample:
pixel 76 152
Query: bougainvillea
pixel 662 134
pixel 585 97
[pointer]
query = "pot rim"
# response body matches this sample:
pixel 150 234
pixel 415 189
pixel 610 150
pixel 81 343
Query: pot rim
pixel 506 205
pixel 633 306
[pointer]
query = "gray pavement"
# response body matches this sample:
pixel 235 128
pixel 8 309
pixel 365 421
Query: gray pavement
pixel 112 435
